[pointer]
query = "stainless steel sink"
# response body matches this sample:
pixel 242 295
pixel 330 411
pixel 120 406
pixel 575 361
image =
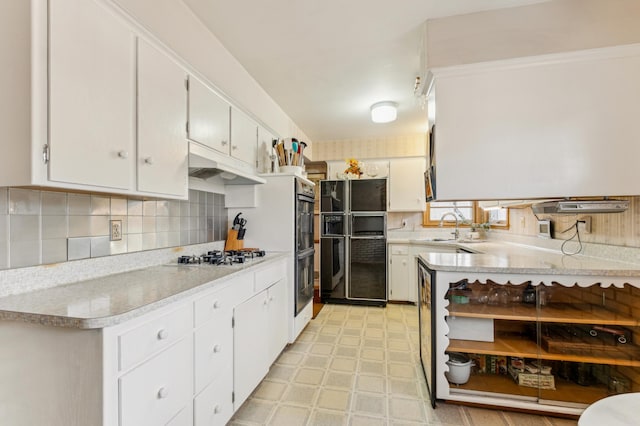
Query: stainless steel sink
pixel 434 240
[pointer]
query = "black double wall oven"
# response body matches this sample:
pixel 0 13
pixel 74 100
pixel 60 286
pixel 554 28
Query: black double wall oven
pixel 304 202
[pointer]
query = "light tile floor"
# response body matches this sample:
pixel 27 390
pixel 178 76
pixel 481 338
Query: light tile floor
pixel 357 365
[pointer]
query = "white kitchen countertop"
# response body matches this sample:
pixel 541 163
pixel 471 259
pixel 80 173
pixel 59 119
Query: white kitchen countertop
pixel 506 257
pixel 109 300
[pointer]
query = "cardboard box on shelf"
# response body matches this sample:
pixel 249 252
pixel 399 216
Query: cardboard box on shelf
pixel 540 381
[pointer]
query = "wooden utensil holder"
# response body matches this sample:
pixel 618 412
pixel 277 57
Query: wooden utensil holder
pixel 233 243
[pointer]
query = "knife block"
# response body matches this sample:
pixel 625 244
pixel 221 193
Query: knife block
pixel 233 243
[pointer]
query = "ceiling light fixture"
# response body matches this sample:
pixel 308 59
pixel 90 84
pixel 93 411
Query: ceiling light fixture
pixel 384 112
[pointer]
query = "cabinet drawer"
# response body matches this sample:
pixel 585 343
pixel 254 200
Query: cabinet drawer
pixel 219 302
pixel 153 336
pixel 156 391
pixel 183 418
pixel 264 278
pixel 213 350
pixel 214 407
pixel 399 249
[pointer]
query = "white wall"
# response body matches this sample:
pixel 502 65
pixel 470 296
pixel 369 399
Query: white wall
pixel 174 24
pixel 549 27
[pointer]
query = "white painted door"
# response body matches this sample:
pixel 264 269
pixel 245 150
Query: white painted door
pixel 244 137
pixel 162 117
pixel 399 288
pixel 265 149
pixel 406 184
pixel 208 117
pixel 278 324
pixel 250 346
pixel 91 95
pixel 400 274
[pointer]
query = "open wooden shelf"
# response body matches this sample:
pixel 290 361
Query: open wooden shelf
pixel 626 355
pixel 554 312
pixel 565 390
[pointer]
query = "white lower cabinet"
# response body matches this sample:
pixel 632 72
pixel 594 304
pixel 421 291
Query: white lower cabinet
pixel 214 405
pixel 278 327
pixel 260 334
pixel 213 351
pixel 400 284
pixel 250 363
pixel 157 390
pixel 177 365
pixel 149 338
pixel 403 266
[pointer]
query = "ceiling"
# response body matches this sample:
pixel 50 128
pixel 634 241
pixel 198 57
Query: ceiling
pixel 325 62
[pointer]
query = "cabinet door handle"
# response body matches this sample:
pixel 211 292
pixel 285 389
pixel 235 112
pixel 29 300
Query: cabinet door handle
pixel 148 160
pixel 163 393
pixel 216 409
pixel 163 334
pixel 217 349
pixel 224 143
pixel 216 305
pixel 271 299
pixel 123 154
pixel 234 147
pixel 265 302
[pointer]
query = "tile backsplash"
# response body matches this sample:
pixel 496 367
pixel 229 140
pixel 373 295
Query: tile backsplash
pixel 41 227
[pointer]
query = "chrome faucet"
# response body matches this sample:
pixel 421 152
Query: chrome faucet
pixel 455 233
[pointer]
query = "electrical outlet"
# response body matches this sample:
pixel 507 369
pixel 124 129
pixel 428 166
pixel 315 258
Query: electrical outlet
pixel 584 224
pixel 116 230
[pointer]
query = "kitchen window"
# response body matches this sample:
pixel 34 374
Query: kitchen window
pixel 468 212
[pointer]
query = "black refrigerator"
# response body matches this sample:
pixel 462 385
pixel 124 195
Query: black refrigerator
pixel 353 246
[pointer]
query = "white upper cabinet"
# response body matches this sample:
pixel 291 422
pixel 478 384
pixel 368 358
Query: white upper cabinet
pixel 406 184
pixel 244 137
pixel 208 117
pixel 162 116
pixel 91 95
pixel 264 150
pixel 93 103
pixel 551 126
pixel 80 92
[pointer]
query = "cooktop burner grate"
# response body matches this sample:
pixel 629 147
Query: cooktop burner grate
pixel 218 257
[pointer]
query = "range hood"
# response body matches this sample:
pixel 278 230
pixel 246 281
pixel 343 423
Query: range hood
pixel 584 206
pixel 205 163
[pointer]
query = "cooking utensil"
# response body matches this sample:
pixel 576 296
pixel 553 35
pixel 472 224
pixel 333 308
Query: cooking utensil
pixel 241 223
pixel 281 153
pixel 301 148
pixel 236 221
